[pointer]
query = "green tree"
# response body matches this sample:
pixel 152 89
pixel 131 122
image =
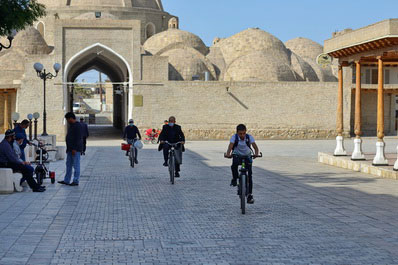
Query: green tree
pixel 17 14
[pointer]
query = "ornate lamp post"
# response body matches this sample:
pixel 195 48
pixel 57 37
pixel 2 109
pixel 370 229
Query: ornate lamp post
pixel 10 38
pixel 36 115
pixel 30 118
pixel 44 76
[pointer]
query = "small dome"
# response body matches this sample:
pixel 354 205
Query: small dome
pixel 305 48
pixel 186 63
pixel 248 41
pixel 260 66
pixel 31 41
pixel 172 39
pixel 303 70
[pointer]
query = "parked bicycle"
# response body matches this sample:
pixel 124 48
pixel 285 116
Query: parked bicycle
pixel 243 183
pixel 42 163
pixel 172 160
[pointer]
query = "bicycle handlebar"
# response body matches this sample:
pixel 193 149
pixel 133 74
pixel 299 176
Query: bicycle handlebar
pixel 252 156
pixel 174 144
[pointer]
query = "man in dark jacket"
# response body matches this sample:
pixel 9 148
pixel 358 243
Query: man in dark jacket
pixel 9 159
pixel 172 133
pixel 85 134
pixel 74 147
pixel 131 133
pixel 20 129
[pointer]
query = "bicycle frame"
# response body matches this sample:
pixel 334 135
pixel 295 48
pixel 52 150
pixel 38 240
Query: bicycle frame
pixel 172 160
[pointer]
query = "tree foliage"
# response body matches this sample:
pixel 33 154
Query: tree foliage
pixel 17 14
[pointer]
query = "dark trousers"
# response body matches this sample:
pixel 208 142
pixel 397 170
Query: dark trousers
pixel 166 149
pixel 27 173
pixel 84 144
pixel 236 162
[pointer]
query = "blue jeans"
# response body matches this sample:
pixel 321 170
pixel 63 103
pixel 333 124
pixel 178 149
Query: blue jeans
pixel 72 161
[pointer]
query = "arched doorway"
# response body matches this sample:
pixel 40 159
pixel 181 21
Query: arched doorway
pixel 105 60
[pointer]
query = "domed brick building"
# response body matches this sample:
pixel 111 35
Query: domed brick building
pixel 157 70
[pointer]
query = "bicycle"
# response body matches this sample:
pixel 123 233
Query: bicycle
pixel 172 160
pixel 243 183
pixel 151 139
pixel 132 157
pixel 41 170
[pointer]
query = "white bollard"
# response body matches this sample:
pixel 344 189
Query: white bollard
pixel 358 154
pixel 340 151
pixel 396 163
pixel 380 158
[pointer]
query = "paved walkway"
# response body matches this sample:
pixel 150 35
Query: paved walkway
pixel 305 212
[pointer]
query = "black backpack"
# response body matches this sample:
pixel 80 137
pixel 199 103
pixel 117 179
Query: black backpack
pixel 247 140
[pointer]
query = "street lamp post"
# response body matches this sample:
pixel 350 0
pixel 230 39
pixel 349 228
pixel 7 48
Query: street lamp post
pixel 36 115
pixel 30 118
pixel 44 76
pixel 10 37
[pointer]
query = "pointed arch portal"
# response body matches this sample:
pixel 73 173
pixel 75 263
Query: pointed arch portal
pixel 103 59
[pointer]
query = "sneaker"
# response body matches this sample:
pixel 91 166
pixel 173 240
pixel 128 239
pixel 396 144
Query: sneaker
pixel 39 190
pixel 165 164
pixel 74 184
pixel 234 182
pixel 177 175
pixel 136 161
pixel 250 199
pixel 63 182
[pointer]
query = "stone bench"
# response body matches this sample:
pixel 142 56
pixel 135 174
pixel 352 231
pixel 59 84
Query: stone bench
pixel 9 181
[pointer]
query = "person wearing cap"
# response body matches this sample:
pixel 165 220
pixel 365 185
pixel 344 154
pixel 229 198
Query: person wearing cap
pixel 85 134
pixel 74 147
pixel 131 133
pixel 9 159
pixel 21 129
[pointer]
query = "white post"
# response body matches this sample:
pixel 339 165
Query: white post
pixel 131 102
pixel 358 154
pixel 340 150
pixel 396 163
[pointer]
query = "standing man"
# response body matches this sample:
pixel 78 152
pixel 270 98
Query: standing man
pixel 74 147
pixel 9 159
pixel 85 134
pixel 172 133
pixel 20 129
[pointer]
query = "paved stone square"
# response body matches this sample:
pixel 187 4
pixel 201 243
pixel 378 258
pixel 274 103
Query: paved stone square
pixel 304 213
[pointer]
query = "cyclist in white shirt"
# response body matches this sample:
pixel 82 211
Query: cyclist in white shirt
pixel 240 149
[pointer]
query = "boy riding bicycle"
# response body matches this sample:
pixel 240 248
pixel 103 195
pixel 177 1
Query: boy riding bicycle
pixel 240 149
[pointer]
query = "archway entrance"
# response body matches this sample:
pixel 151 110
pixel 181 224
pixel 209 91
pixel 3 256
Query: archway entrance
pixel 107 99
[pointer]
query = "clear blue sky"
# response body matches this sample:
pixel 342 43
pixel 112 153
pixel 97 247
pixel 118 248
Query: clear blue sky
pixel 286 19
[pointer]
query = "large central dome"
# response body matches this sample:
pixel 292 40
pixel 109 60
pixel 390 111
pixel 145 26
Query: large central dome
pixel 148 4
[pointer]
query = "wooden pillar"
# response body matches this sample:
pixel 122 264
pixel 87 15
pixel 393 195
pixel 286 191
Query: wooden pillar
pixel 340 151
pixel 357 127
pixel 380 102
pixel 340 119
pixel 6 112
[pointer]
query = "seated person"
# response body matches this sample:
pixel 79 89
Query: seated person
pixel 9 159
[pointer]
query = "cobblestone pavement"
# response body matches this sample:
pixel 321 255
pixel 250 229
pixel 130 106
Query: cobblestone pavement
pixel 305 212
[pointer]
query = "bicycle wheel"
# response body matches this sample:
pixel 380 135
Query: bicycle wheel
pixel 39 177
pixel 131 156
pixel 242 186
pixel 146 141
pixel 154 141
pixel 172 168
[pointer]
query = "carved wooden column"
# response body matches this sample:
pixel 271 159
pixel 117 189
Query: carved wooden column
pixel 358 154
pixel 6 111
pixel 380 158
pixel 340 151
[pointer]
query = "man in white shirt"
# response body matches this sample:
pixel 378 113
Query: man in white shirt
pixel 240 149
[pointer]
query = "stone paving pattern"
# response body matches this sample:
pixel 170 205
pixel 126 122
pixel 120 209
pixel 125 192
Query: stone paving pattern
pixel 305 212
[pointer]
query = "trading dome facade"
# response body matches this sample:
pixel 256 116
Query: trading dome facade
pixel 156 70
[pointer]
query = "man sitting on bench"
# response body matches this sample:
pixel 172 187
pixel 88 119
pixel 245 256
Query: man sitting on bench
pixel 9 159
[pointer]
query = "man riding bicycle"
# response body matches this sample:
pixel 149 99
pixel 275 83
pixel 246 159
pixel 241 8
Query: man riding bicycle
pixel 240 149
pixel 172 133
pixel 131 133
